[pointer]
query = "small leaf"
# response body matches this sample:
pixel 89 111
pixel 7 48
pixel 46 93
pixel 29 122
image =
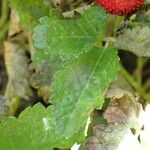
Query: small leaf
pixel 106 137
pixel 135 40
pixel 112 137
pixel 17 71
pixel 124 107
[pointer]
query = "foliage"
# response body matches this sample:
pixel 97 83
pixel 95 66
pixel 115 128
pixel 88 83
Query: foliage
pixel 136 40
pixel 65 39
pixel 73 65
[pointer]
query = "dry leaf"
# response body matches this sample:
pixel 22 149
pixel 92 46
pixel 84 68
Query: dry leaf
pixel 17 71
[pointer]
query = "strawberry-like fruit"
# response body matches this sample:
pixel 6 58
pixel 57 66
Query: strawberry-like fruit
pixel 119 7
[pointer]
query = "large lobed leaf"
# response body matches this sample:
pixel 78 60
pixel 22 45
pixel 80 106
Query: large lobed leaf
pixel 56 38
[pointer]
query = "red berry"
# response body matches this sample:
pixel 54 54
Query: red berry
pixel 120 7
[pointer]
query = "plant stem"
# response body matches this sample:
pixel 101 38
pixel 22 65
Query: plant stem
pixel 146 85
pixel 134 84
pixel 138 71
pixel 110 25
pixel 4 14
pixel 3 31
pixel 14 104
pixel 3 20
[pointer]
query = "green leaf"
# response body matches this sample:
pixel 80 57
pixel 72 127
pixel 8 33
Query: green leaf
pixel 82 85
pixel 32 130
pixel 25 132
pixel 54 30
pixel 146 18
pixel 29 11
pixel 77 89
pixel 60 38
pixel 136 40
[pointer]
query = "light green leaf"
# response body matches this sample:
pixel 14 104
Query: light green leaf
pixel 67 38
pixel 25 132
pixel 136 40
pixel 82 85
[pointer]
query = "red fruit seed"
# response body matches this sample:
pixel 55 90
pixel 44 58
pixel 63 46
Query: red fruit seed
pixel 120 7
